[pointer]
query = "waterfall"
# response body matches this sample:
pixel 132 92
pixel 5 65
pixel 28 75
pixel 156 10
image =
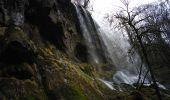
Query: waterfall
pixel 117 47
pixel 87 31
pixel 113 45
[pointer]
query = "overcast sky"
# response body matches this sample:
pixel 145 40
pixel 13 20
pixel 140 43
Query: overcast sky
pixel 106 6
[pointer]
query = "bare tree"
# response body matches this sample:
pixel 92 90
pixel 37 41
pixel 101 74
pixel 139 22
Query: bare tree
pixel 130 20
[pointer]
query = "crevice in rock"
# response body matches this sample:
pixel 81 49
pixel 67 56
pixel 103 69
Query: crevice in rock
pixel 81 52
pixel 16 53
pixel 21 72
pixel 49 30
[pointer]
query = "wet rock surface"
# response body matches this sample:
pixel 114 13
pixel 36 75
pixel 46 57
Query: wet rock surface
pixel 39 42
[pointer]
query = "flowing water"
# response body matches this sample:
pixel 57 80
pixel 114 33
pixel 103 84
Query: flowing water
pixel 114 46
pixel 108 84
pixel 87 32
pixel 117 48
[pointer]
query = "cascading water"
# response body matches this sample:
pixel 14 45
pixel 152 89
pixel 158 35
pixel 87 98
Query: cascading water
pixel 114 46
pixel 117 47
pixel 87 31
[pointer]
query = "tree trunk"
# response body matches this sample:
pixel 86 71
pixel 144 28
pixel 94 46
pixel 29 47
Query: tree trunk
pixel 147 61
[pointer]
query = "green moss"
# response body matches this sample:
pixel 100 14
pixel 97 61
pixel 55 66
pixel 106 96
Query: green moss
pixel 74 92
pixel 79 85
pixel 11 30
pixel 121 96
pixel 88 69
pixel 21 90
pixel 29 97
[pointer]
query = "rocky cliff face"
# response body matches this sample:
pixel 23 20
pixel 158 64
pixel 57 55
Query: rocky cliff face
pixel 40 51
pixel 43 20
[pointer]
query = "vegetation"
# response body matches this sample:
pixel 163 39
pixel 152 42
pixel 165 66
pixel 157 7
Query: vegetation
pixel 148 32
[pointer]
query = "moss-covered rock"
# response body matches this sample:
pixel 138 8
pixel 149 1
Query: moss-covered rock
pixel 11 88
pixel 68 79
